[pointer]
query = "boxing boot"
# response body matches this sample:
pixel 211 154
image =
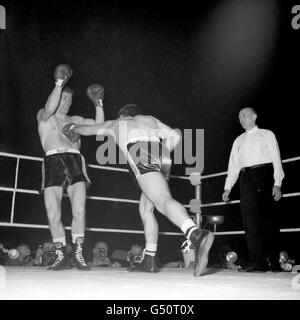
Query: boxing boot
pixel 202 241
pixel 77 257
pixel 62 260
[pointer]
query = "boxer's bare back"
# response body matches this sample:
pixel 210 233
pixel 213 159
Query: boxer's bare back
pixel 127 129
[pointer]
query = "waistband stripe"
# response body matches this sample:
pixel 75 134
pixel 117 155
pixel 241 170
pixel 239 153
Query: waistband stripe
pixel 61 150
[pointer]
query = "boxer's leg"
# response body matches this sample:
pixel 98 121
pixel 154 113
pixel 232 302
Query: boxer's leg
pixel 156 188
pixel 146 208
pixel 53 197
pixel 148 264
pixel 77 195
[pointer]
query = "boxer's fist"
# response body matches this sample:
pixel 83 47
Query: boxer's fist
pixel 96 93
pixel 67 131
pixel 62 74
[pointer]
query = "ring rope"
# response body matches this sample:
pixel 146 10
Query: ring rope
pixel 207 176
pixel 88 197
pixel 41 226
pixel 94 166
pixel 15 189
pixel 12 213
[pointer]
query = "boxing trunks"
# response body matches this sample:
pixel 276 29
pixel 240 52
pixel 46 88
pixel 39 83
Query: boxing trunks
pixel 63 167
pixel 146 155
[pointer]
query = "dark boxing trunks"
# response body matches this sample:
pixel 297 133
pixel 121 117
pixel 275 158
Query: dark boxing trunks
pixel 63 168
pixel 148 156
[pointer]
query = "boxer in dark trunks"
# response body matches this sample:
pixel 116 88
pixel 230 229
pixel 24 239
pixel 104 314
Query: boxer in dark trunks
pixel 138 137
pixel 64 167
pixel 151 156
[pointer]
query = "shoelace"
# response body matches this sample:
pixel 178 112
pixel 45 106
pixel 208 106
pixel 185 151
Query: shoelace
pixel 143 255
pixel 59 258
pixel 186 246
pixel 79 256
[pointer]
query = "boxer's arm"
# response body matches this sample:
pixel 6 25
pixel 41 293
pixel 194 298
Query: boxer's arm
pixel 99 115
pixel 171 137
pixel 82 121
pixel 96 129
pixel 62 74
pixel 99 118
pixel 51 105
pixel 95 93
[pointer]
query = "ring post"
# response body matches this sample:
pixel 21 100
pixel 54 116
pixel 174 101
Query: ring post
pixel 195 204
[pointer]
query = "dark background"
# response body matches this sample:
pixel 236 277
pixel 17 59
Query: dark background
pixel 191 64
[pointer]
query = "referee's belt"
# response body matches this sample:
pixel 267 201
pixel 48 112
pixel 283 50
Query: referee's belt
pixel 256 166
pixel 61 150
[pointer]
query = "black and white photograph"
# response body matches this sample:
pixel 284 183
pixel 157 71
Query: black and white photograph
pixel 149 153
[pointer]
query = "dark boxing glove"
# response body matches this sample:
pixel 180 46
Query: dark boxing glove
pixel 96 93
pixel 67 131
pixel 62 74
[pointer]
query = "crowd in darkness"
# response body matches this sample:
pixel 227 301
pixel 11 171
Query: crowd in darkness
pixel 45 253
pixel 99 256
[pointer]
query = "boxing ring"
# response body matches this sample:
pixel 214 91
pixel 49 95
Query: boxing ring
pixel 19 191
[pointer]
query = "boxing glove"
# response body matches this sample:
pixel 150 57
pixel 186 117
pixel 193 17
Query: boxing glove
pixel 67 131
pixel 62 74
pixel 96 93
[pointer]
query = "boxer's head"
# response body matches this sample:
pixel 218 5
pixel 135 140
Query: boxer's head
pixel 130 110
pixel 247 118
pixel 65 100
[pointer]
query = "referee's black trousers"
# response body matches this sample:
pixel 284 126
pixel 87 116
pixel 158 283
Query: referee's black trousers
pixel 258 214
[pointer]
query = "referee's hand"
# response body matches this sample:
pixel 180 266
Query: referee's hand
pixel 276 192
pixel 225 195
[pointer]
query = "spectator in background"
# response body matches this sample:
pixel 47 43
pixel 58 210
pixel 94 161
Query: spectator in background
pixel 119 258
pixel 25 254
pixel 135 255
pixel 23 257
pixel 49 253
pixel 39 256
pixel 45 254
pixel 3 254
pixel 101 258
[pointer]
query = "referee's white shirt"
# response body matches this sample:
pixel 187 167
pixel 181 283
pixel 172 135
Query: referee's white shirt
pixel 253 147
